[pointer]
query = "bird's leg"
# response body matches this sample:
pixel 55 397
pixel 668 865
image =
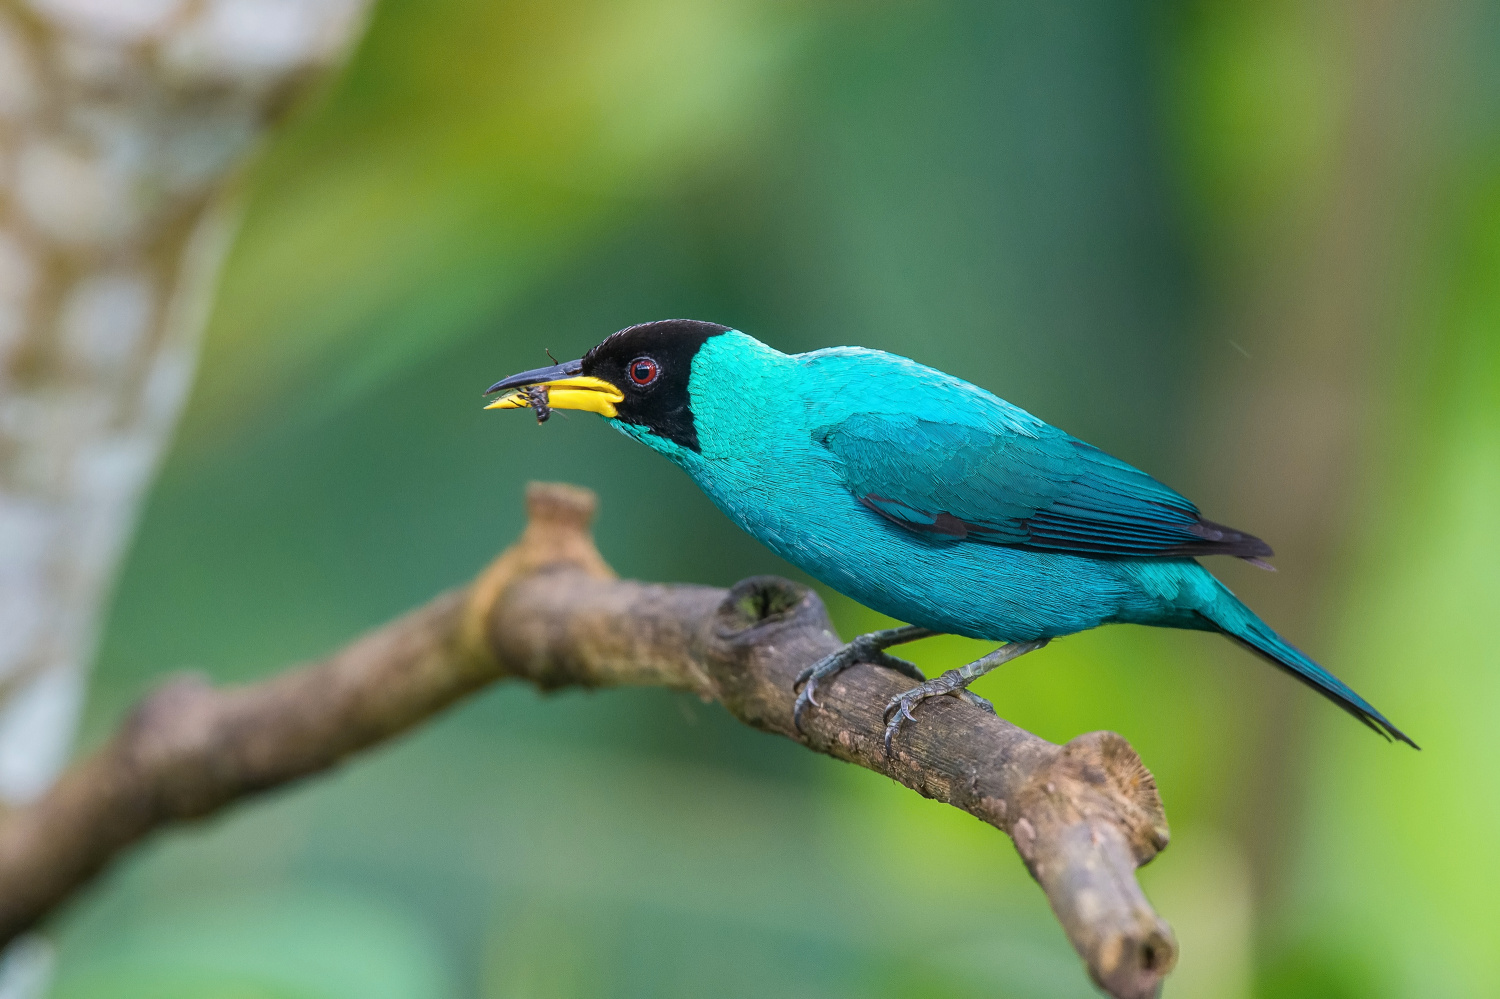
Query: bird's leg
pixel 868 648
pixel 955 682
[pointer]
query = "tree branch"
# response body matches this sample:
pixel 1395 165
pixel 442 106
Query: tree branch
pixel 1083 816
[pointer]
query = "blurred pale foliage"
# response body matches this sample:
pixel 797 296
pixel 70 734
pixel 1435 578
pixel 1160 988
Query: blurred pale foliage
pixel 1079 208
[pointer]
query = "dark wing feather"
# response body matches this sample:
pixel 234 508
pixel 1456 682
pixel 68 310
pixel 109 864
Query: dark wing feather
pixel 1039 489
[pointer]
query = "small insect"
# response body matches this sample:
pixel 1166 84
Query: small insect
pixel 536 398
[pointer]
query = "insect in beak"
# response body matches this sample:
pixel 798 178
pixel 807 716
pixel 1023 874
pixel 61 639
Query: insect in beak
pixel 536 398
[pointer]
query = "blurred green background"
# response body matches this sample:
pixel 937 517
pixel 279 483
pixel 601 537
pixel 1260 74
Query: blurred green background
pixel 1251 247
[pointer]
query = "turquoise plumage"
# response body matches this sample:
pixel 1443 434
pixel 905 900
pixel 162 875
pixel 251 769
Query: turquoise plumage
pixel 923 497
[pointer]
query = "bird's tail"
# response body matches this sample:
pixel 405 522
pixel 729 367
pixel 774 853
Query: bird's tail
pixel 1240 623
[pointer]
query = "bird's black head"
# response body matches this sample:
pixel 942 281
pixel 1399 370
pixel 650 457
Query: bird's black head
pixel 639 376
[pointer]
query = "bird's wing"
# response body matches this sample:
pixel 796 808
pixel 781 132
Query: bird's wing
pixel 1032 487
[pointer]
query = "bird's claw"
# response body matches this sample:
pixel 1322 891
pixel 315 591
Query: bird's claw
pixel 898 709
pixel 967 695
pixel 834 663
pixel 807 674
pixel 804 699
pixel 829 665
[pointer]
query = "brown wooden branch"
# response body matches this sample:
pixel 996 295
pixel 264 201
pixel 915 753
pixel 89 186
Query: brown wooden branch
pixel 1083 816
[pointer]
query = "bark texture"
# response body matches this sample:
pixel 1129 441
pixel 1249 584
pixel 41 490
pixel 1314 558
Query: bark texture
pixel 1083 816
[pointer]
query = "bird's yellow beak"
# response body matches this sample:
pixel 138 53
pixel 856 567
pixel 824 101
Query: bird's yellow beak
pixel 567 388
pixel 594 395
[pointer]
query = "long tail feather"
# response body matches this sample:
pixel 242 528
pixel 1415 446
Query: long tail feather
pixel 1240 623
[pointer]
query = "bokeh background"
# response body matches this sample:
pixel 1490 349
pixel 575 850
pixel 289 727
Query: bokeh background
pixel 1251 247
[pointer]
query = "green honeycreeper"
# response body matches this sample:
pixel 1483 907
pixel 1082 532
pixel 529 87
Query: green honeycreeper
pixel 920 495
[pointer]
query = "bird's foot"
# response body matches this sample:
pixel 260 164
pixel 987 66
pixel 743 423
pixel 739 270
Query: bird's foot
pixel 864 649
pixel 898 710
pixel 955 682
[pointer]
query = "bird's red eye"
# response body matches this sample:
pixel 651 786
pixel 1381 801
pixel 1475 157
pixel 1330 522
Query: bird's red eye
pixel 643 371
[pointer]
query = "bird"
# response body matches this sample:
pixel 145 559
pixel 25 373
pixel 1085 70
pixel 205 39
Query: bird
pixel 922 496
